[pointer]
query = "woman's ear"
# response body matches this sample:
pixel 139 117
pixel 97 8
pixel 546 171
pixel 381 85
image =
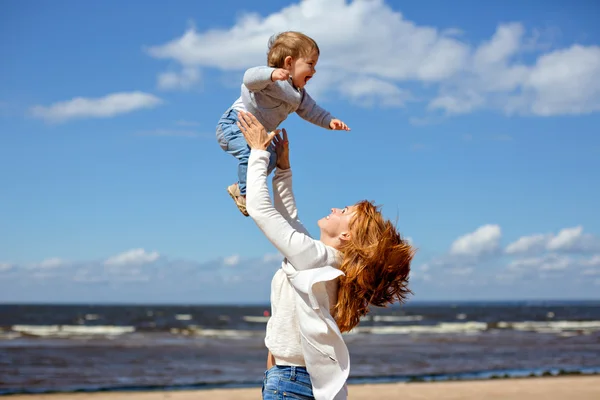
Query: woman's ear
pixel 345 236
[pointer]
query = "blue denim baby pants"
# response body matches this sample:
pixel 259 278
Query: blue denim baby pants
pixel 232 140
pixel 286 382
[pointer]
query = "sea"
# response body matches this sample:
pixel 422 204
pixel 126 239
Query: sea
pixel 86 347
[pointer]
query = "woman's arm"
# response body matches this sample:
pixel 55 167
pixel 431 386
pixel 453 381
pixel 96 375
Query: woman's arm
pixel 300 249
pixel 283 195
pixel 283 198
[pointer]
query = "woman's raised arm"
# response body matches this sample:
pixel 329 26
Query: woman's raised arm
pixel 300 249
pixel 283 195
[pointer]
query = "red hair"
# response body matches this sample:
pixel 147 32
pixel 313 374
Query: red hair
pixel 376 263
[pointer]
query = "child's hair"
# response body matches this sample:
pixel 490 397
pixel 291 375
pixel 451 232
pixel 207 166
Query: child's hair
pixel 376 264
pixel 294 44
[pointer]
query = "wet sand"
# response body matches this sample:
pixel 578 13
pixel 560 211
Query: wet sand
pixel 572 388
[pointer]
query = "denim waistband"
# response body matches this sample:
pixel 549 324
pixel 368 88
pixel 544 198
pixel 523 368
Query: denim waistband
pixel 288 372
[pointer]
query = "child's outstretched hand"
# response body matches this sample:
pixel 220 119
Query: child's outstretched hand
pixel 338 125
pixel 280 74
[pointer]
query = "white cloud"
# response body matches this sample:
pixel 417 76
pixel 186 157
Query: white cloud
pixel 4 266
pixel 373 48
pixel 590 272
pixel 567 240
pixel 366 32
pixel 484 240
pixel 420 273
pixel 132 257
pixel 369 91
pixel 561 82
pixel 528 244
pixel 594 261
pixel 354 38
pixel 548 262
pixel 185 79
pixel 565 82
pixel 48 263
pixel 231 260
pixel 272 257
pixel 102 107
pixel 462 271
pixel 462 103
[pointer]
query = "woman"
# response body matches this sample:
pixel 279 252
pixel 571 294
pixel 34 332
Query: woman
pixel 323 286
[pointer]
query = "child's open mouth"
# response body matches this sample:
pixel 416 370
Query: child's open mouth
pixel 307 78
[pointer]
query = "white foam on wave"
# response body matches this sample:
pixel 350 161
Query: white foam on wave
pixel 397 318
pixel 71 330
pixel 8 335
pixel 215 333
pixel 251 318
pixel 552 326
pixel 445 327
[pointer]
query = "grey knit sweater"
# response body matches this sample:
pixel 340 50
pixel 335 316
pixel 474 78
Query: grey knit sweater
pixel 272 102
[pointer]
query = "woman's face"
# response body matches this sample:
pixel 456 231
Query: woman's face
pixel 337 224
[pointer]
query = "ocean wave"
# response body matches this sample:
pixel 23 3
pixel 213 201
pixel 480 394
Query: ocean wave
pixel 444 327
pixel 585 327
pixel 71 330
pixel 563 328
pixel 397 318
pixel 259 319
pixel 216 333
pixel 388 326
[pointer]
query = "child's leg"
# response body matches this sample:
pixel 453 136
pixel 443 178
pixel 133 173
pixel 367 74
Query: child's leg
pixel 238 147
pixel 231 140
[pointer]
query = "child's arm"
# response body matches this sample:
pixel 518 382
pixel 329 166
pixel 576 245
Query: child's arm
pixel 258 78
pixel 312 112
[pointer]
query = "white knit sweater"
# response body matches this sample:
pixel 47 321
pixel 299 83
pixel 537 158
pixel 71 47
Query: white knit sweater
pixel 283 331
pixel 303 289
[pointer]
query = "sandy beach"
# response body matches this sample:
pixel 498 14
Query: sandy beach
pixel 573 388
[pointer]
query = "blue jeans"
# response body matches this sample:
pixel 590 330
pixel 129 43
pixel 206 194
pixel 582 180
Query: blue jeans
pixel 232 140
pixel 284 382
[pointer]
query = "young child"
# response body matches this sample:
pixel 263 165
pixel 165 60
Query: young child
pixel 271 94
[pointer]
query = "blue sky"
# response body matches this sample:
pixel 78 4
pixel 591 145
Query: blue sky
pixel 475 125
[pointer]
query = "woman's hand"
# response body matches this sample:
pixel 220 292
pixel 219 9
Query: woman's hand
pixel 282 149
pixel 255 133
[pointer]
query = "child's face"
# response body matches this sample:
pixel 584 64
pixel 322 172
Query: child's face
pixel 302 69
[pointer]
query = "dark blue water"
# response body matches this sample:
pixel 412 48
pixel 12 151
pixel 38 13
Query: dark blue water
pixel 135 347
